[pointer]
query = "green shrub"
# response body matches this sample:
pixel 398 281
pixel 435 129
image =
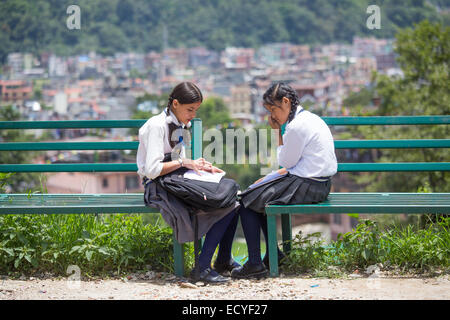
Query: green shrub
pixel 409 247
pixel 97 245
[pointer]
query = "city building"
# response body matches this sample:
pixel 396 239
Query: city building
pixel 240 102
pixel 93 183
pixel 15 91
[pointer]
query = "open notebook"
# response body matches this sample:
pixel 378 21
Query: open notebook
pixel 205 176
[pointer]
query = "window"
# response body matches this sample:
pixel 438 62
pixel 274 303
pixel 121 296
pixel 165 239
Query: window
pixel 337 219
pixel 131 182
pixel 105 183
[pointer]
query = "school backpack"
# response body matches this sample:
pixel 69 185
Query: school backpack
pixel 198 194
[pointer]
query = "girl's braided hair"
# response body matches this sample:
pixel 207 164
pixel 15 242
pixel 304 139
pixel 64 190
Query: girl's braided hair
pixel 276 93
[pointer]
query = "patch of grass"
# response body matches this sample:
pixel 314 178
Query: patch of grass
pixel 410 248
pixel 107 245
pixel 97 245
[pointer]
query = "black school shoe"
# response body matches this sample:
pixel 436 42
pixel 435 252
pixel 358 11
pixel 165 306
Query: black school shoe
pixel 226 268
pixel 210 276
pixel 248 271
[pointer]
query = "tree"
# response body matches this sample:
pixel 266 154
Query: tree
pixel 17 182
pixel 214 113
pixel 108 26
pixel 423 55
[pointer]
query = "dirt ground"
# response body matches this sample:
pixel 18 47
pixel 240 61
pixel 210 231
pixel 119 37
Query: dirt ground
pixel 163 286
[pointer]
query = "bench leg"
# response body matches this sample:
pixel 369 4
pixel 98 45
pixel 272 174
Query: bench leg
pixel 286 232
pixel 273 253
pixel 178 257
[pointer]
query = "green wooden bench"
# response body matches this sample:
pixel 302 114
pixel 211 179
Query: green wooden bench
pixel 83 203
pixel 133 203
pixel 372 203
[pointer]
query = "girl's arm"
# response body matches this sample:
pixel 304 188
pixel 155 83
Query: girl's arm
pixel 281 171
pixel 196 165
pixel 153 142
pixel 169 167
pixel 275 125
pixel 290 152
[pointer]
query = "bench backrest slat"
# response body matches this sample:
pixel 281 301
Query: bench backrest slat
pixel 71 124
pixel 132 167
pixel 197 144
pixel 77 124
pixel 388 120
pixel 133 145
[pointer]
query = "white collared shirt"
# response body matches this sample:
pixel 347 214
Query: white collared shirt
pixel 308 147
pixel 153 144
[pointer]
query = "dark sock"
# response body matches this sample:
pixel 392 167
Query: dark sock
pixel 251 226
pixel 212 239
pixel 226 243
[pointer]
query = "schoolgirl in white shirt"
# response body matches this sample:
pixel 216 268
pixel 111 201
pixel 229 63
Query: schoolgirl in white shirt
pixel 160 152
pixel 306 153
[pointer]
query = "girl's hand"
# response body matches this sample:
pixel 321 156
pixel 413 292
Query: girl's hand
pixel 273 123
pixel 201 164
pixel 216 170
pixel 195 165
pixel 208 167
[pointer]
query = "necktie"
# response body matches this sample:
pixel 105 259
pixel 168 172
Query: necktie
pixel 180 134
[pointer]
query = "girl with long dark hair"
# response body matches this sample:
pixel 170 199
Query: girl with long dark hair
pixel 306 153
pixel 161 151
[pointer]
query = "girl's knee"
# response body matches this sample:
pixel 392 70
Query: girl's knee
pixel 243 211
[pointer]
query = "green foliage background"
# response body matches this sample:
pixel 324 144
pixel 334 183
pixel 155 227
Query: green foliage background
pixel 423 56
pixel 18 180
pixel 109 26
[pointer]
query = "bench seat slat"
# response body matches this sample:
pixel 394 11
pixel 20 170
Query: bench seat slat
pixel 371 203
pixel 73 203
pixel 133 202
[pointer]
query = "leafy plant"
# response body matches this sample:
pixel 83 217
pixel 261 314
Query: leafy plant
pixel 98 245
pixel 410 248
pixel 307 253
